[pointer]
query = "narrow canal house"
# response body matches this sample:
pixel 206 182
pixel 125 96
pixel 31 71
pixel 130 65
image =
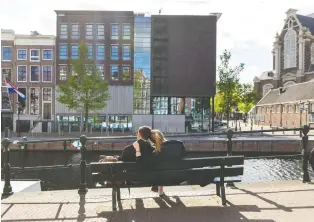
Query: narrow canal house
pixel 293 54
pixel 28 62
pixel 290 106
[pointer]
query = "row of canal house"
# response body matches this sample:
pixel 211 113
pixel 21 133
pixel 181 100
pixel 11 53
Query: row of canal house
pixel 290 106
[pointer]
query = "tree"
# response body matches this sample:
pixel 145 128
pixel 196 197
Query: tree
pixel 85 90
pixel 249 97
pixel 228 84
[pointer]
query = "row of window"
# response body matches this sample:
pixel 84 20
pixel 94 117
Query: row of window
pixel 98 51
pixel 34 54
pixel 285 109
pixel 115 72
pixel 95 31
pixel 35 71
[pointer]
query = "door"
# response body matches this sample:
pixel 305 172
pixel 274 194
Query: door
pixel 46 116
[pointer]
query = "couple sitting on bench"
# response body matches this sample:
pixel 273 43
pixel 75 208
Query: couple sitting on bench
pixel 151 147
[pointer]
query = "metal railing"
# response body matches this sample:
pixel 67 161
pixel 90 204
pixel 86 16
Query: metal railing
pixel 7 190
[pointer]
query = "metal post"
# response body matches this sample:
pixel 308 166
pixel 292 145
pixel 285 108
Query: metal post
pixel 23 148
pixel 261 130
pixel 213 114
pixel 101 129
pixel 7 189
pixel 229 148
pixel 83 186
pixel 65 152
pixel 305 139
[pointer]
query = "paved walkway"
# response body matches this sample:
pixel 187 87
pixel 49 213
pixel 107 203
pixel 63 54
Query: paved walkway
pixel 273 201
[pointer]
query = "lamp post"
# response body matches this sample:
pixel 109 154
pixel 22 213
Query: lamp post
pixel 19 110
pixel 302 107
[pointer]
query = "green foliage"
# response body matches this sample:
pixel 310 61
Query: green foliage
pixel 248 97
pixel 228 84
pixel 85 89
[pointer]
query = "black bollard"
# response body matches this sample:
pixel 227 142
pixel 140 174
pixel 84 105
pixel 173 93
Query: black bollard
pixel 306 153
pixel 229 148
pixel 83 186
pixel 65 152
pixel 7 189
pixel 23 148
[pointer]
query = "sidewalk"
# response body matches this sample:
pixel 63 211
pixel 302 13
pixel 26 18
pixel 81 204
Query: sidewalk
pixel 282 201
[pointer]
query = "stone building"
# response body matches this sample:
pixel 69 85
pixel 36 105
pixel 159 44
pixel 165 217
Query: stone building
pixel 293 54
pixel 290 106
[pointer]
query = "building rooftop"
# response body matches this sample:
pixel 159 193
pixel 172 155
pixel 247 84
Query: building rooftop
pixel 293 93
pixel 88 12
pixel 307 22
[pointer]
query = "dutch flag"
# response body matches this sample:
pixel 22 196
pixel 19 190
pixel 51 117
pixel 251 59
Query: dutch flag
pixel 12 89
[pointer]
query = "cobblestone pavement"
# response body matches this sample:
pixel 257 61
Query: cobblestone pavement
pixel 272 201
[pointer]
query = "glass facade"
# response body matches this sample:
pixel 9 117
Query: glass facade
pixel 142 51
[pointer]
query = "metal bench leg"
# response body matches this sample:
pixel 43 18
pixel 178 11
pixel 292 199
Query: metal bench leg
pixel 118 194
pixel 218 189
pixel 114 199
pixel 223 195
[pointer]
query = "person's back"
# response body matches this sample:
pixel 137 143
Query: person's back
pixel 171 150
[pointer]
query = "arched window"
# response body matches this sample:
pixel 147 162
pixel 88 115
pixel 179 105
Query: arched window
pixel 267 88
pixel 312 53
pixel 289 83
pixel 290 49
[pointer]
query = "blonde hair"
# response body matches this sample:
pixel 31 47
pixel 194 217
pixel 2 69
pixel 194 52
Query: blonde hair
pixel 157 138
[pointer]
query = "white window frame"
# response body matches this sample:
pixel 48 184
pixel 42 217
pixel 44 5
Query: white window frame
pixel 43 54
pixel 123 36
pixel 42 107
pixel 67 31
pixel 42 73
pixel 3 93
pixel 30 55
pixel 2 54
pixel 66 74
pixel 78 31
pixel 42 95
pixel 24 111
pixel 290 49
pixel 118 36
pixel 29 93
pixel 91 36
pixel 100 36
pixel 3 83
pixel 17 73
pixel 30 73
pixel 17 54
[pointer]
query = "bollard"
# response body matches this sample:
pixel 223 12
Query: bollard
pixel 7 189
pixel 112 130
pixel 23 148
pixel 70 127
pixel 306 155
pixel 101 129
pixel 261 130
pixel 65 152
pixel 229 148
pixel 83 187
pixel 251 131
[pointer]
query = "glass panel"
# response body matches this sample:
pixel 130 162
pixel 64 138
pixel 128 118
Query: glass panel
pixel 21 73
pixel 100 52
pixel 47 74
pixel 100 31
pixel 90 52
pixel 126 31
pixel 114 72
pixel 47 94
pixel 126 52
pixel 100 69
pixel 5 100
pixel 63 31
pixel 63 72
pixel 6 74
pixel 21 54
pixel 6 53
pixel 114 52
pixel 89 31
pixel 47 54
pixel 63 51
pixel 75 31
pixel 75 53
pixel 126 73
pixel 114 31
pixel 34 73
pixel 34 101
pixel 34 54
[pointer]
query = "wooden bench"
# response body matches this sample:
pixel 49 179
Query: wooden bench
pixel 196 171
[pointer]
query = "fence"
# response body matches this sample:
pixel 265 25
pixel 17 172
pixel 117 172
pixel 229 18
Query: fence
pixel 7 190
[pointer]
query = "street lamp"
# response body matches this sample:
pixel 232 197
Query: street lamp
pixel 19 110
pixel 302 107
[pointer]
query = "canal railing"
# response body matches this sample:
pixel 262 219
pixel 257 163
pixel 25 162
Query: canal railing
pixel 7 189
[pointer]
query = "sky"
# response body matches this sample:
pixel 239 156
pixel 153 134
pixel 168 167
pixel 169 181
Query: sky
pixel 247 27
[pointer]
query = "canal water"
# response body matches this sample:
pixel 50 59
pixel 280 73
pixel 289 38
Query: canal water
pixel 67 175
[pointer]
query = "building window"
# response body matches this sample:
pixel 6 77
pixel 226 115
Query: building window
pixel 63 72
pixel 267 88
pixel 63 52
pixel 100 31
pixel 75 34
pixel 89 31
pixel 290 109
pixel 6 74
pixel 126 31
pixel 126 52
pixel 5 100
pixel 35 70
pixel 6 53
pixel 114 52
pixel 21 54
pixel 101 71
pixel 114 31
pixel 35 55
pixel 126 73
pixel 47 54
pixel 75 52
pixel 34 101
pixel 63 31
pixel 100 52
pixel 47 74
pixel 90 52
pixel 114 72
pixel 47 94
pixel 21 74
pixel 290 49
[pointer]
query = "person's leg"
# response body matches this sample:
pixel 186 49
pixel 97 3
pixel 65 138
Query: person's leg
pixel 161 190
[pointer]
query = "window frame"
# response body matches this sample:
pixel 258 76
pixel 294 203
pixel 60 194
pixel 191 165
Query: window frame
pixel 100 37
pixel 129 46
pixel 66 72
pixel 92 35
pixel 111 66
pixel 2 53
pixel 5 94
pixel 111 46
pixel 290 49
pixel 77 51
pixel 42 94
pixel 31 57
pixel 92 55
pixel 43 54
pixel 114 37
pixel 129 68
pixel 42 73
pixel 123 33
pixel 17 73
pixel 30 73
pixel 104 51
pixel 67 31
pixel 17 54
pixel 74 37
pixel 6 75
pixel 30 100
pixel 67 51
pixel 103 76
